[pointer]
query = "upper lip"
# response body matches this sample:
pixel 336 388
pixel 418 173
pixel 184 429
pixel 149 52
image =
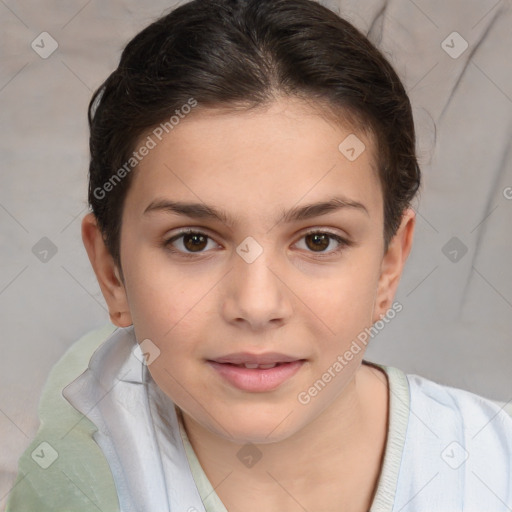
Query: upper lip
pixel 247 357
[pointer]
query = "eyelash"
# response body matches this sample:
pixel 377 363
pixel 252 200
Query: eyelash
pixel 343 243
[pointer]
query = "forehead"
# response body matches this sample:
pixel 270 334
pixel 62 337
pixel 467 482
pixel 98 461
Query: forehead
pixel 257 161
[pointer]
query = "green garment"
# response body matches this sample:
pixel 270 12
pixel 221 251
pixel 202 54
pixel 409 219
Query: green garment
pixel 79 479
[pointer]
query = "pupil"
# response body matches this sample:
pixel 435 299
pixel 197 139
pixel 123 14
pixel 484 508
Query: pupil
pixel 197 241
pixel 320 241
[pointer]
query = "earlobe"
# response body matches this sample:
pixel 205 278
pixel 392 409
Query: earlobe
pixel 106 271
pixel 393 264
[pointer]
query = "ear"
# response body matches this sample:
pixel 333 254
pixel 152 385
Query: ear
pixel 393 264
pixel 106 271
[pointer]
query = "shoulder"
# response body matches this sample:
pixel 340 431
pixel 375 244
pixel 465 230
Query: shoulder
pixel 448 398
pixel 72 364
pixel 63 466
pixel 462 438
pixel 456 447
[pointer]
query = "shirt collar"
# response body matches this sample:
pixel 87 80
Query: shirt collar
pixel 117 358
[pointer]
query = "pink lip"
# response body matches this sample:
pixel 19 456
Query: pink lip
pixel 256 379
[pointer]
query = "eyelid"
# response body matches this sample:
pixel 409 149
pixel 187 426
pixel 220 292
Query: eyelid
pixel 320 229
pixel 206 231
pixel 175 233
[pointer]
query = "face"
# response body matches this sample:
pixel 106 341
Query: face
pixel 269 275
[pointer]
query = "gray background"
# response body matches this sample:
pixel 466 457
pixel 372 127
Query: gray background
pixel 456 323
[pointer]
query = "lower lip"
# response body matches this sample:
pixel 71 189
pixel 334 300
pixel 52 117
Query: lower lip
pixel 255 379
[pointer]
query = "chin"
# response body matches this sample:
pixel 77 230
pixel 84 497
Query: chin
pixel 255 429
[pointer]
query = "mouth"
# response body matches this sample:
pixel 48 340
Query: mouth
pixel 250 358
pixel 254 377
pixel 253 366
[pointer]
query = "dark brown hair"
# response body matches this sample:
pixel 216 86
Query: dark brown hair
pixel 243 54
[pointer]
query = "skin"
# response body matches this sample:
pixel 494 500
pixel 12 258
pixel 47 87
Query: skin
pixel 253 165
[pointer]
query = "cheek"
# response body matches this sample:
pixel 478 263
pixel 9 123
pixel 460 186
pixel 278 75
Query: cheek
pixel 341 305
pixel 169 307
pixel 174 328
pixel 179 378
pixel 160 296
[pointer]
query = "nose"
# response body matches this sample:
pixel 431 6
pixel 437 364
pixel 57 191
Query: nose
pixel 257 295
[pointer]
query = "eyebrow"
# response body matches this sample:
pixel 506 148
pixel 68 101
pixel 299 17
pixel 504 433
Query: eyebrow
pixel 204 211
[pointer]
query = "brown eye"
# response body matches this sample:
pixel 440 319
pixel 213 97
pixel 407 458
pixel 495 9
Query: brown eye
pixel 318 241
pixel 323 243
pixel 189 243
pixel 194 242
